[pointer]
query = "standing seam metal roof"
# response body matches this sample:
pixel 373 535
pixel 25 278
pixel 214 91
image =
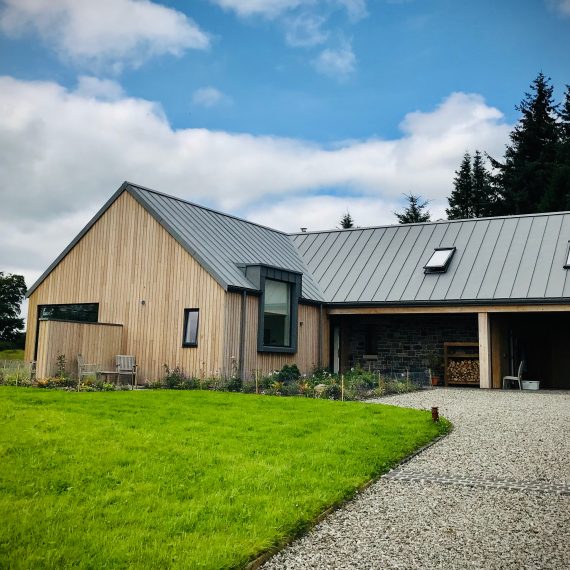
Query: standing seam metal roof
pixel 506 259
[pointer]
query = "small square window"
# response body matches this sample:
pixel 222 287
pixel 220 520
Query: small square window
pixel 190 337
pixel 439 261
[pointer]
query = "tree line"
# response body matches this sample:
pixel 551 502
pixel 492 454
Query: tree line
pixel 533 176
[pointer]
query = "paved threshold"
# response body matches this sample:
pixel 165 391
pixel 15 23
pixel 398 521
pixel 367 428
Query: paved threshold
pixel 470 481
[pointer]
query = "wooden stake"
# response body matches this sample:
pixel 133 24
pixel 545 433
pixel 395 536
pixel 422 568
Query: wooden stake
pixel 342 387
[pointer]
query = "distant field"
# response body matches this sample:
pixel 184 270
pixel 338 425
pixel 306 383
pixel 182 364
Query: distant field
pixel 11 355
pixel 181 479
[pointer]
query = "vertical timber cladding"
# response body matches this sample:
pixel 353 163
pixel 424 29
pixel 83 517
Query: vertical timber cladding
pixel 126 258
pixel 98 343
pixel 307 355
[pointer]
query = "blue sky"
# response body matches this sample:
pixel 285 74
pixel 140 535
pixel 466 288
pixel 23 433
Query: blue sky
pixel 288 112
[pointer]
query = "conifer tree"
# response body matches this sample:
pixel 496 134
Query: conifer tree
pixel 557 195
pixel 483 199
pixel 461 199
pixel 346 222
pixel 414 212
pixel 529 158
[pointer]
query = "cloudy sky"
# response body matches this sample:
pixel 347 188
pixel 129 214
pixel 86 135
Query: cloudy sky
pixel 286 112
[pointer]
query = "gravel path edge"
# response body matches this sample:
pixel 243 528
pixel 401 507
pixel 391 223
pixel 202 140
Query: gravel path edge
pixel 268 554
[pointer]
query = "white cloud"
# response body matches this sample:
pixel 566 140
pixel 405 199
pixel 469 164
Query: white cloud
pixel 356 9
pixel 323 212
pixel 106 32
pixel 305 30
pixel 96 88
pixel 209 97
pixel 267 8
pixel 337 63
pixel 304 23
pixel 63 153
pixel 560 6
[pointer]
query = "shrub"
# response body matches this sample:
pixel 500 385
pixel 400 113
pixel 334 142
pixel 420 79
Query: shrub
pixel 176 379
pixel 289 373
pixel 235 384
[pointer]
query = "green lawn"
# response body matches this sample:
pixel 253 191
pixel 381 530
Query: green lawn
pixel 152 479
pixel 11 355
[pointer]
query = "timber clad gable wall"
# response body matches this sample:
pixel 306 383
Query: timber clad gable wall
pixel 128 257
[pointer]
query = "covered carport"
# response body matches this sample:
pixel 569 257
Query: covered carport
pixel 541 339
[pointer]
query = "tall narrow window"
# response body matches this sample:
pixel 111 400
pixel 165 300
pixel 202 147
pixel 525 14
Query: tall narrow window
pixel 190 337
pixel 277 314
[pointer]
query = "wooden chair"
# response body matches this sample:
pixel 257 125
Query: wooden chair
pixel 84 369
pixel 517 378
pixel 127 366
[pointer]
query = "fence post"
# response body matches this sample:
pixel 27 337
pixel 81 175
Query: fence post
pixel 342 387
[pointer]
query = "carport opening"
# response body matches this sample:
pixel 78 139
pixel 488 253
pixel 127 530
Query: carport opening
pixel 542 340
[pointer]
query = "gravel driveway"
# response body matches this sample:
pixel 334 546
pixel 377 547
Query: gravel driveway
pixel 493 494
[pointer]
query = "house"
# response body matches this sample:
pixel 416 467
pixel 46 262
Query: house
pixel 179 284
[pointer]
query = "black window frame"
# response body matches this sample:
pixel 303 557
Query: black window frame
pixel 258 274
pixel 185 328
pixel 440 268
pixel 40 318
pixel 66 318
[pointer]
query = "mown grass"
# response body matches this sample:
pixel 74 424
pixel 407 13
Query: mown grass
pixel 181 479
pixel 11 355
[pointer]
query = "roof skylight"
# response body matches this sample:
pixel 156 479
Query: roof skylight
pixel 567 264
pixel 439 261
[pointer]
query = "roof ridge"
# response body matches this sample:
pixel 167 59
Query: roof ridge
pixel 433 222
pixel 177 199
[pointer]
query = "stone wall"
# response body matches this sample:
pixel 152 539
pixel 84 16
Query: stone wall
pixel 405 342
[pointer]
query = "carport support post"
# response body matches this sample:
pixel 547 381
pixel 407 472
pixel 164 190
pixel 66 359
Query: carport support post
pixel 484 351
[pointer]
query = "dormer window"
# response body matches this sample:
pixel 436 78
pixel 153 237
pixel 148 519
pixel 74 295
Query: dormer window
pixel 439 261
pixel 279 290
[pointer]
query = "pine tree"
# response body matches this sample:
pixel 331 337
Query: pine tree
pixel 483 193
pixel 415 211
pixel 529 158
pixel 346 222
pixel 461 199
pixel 557 195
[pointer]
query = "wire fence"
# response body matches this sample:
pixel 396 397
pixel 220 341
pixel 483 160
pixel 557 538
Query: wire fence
pixel 16 372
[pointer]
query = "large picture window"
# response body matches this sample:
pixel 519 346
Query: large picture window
pixel 191 318
pixel 277 314
pixel 80 312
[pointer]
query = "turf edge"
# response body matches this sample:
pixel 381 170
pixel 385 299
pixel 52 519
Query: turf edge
pixel 265 556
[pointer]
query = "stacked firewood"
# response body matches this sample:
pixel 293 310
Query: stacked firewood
pixel 463 371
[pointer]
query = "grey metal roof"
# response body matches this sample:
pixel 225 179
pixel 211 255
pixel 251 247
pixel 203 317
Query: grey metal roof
pixel 507 259
pixel 515 258
pixel 219 242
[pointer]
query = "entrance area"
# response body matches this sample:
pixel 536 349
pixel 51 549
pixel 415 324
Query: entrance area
pixel 542 340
